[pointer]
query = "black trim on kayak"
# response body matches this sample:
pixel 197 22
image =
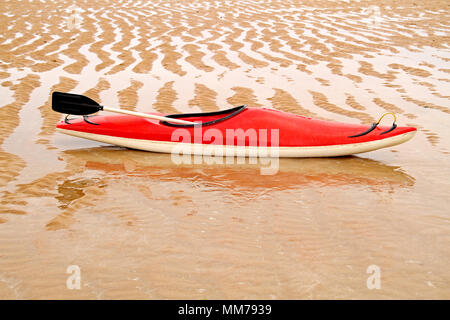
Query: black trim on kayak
pixel 392 128
pixel 85 118
pixel 374 125
pixel 232 112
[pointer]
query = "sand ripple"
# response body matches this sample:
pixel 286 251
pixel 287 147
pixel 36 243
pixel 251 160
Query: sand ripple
pixel 224 231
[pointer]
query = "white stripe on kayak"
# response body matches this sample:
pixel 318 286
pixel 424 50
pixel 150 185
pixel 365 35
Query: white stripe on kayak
pixel 208 149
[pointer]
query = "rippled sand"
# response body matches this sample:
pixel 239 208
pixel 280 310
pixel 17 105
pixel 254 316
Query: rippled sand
pixel 139 226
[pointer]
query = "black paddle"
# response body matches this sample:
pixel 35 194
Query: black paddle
pixel 80 105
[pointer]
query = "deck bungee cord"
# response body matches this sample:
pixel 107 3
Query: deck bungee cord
pixel 374 125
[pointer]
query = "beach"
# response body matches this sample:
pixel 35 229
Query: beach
pixel 136 225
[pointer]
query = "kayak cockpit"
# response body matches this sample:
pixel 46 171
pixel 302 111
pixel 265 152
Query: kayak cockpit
pixel 204 118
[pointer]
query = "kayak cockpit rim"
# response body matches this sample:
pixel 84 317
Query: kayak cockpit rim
pixel 229 113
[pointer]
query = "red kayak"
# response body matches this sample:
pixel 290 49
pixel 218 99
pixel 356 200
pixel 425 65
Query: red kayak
pixel 243 131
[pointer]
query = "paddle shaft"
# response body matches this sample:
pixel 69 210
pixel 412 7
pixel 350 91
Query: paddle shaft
pixel 145 115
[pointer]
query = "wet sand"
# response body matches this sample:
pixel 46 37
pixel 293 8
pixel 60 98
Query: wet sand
pixel 141 227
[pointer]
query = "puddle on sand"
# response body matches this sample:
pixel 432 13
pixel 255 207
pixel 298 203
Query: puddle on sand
pixel 139 226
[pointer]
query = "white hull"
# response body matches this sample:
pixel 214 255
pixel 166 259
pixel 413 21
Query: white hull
pixel 282 152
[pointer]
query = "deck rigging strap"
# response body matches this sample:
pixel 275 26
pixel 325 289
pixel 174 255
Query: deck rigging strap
pixel 374 125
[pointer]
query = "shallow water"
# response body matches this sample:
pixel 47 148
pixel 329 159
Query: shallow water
pixel 139 226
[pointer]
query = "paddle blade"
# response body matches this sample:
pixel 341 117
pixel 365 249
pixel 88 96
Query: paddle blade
pixel 75 104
